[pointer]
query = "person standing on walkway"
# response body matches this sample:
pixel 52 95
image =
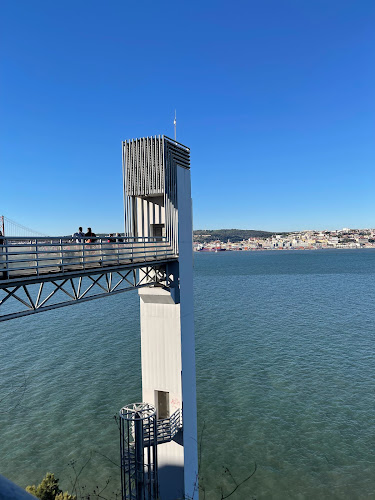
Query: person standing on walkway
pixel 79 235
pixel 90 235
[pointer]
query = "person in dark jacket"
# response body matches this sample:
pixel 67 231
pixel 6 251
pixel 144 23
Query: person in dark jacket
pixel 78 236
pixel 90 235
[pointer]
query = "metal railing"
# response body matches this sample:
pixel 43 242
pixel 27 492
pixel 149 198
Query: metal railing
pixel 166 429
pixel 40 256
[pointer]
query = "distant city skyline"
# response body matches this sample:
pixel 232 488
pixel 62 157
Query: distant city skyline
pixel 12 228
pixel 275 100
pixel 279 231
pixel 299 240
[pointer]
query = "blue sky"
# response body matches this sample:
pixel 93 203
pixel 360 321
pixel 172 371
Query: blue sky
pixel 275 98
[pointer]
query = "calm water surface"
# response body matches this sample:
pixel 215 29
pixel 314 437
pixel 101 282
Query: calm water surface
pixel 285 379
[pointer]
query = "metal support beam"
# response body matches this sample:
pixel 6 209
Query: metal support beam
pixel 38 297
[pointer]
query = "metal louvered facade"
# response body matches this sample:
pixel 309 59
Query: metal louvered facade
pixel 150 174
pixel 144 166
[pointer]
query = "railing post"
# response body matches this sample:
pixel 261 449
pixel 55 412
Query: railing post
pixel 61 256
pixel 6 265
pixel 37 257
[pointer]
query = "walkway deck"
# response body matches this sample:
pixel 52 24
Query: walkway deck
pixel 33 260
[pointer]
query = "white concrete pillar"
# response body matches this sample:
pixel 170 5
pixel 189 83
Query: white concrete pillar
pixel 168 358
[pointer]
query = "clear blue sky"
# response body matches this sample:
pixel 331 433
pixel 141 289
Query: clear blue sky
pixel 275 98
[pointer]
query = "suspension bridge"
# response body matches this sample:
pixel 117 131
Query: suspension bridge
pixel 11 228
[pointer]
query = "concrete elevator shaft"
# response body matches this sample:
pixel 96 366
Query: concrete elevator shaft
pixel 157 192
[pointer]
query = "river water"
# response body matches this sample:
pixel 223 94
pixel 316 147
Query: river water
pixel 285 379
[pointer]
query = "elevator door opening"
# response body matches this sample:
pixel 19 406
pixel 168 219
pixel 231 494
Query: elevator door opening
pixel 162 404
pixel 157 230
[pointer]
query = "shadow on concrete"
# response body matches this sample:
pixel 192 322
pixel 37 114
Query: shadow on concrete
pixel 178 438
pixel 171 482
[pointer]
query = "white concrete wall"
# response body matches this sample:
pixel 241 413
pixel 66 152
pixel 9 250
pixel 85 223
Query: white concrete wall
pixel 161 348
pixel 185 242
pixel 161 371
pixel 168 353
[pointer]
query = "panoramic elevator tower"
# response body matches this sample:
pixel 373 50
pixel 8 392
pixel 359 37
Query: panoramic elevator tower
pixel 157 198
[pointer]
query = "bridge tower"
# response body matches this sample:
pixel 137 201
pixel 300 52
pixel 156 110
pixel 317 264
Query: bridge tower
pixel 157 200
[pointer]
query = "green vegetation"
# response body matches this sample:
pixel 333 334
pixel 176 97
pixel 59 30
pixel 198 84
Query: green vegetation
pixel 234 235
pixel 49 489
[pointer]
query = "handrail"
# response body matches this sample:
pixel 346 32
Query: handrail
pixel 73 238
pixel 20 256
pixel 166 429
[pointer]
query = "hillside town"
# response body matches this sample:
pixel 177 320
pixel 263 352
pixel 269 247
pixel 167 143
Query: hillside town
pixel 299 240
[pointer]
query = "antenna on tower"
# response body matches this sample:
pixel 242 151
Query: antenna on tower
pixel 175 124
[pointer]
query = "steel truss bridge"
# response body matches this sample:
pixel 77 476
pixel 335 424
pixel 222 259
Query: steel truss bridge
pixel 39 274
